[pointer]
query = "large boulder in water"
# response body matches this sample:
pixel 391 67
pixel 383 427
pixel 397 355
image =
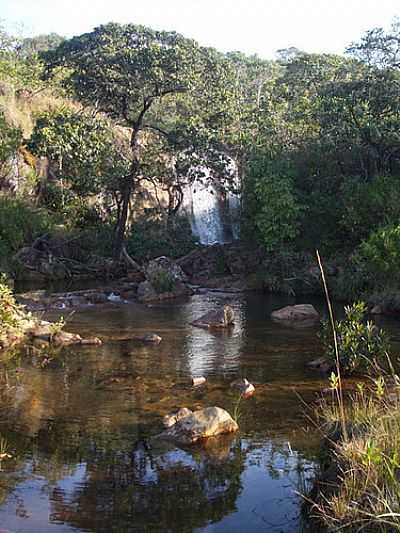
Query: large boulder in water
pixel 198 425
pixel 295 313
pixel 148 293
pixel 221 318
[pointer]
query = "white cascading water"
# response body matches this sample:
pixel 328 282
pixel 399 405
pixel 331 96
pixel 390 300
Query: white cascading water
pixel 213 215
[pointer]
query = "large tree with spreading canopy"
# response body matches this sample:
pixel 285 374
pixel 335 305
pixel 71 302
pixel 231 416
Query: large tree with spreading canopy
pixel 149 80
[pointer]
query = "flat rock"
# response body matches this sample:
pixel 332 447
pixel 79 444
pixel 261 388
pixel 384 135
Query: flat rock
pixel 301 312
pixel 152 338
pixel 199 425
pixel 321 363
pixel 245 388
pixel 220 318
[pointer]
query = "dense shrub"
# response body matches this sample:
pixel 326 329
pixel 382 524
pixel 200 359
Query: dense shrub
pixel 380 255
pixel 10 140
pixel 277 218
pixel 162 281
pixel 362 346
pixel 20 223
pixel 369 205
pixel 152 236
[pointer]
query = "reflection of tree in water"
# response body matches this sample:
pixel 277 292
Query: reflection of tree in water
pixel 145 489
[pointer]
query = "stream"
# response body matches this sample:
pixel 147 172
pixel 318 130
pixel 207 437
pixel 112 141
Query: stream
pixel 80 430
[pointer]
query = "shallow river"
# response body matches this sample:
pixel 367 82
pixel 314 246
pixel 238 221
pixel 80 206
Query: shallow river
pixel 80 429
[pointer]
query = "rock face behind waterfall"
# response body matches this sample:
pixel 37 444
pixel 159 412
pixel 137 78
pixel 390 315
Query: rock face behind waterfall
pixel 198 425
pixel 221 318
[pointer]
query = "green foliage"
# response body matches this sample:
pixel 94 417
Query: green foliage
pixel 380 256
pixel 13 319
pixel 362 346
pixel 8 308
pixel 277 217
pixel 368 205
pixel 10 140
pixel 20 223
pixel 162 281
pixel 367 461
pixel 31 46
pixel 152 236
pixel 80 145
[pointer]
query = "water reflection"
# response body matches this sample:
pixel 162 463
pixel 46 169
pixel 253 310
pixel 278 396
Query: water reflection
pixel 81 430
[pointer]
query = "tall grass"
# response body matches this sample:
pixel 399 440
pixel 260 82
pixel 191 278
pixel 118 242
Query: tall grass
pixel 364 492
pixel 367 496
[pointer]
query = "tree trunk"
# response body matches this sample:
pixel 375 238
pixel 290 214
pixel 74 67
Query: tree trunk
pixel 119 239
pixel 129 185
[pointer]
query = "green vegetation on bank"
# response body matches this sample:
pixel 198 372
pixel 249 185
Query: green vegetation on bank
pixel 362 492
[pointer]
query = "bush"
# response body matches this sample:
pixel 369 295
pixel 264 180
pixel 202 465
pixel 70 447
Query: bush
pixel 362 346
pixel 152 237
pixel 380 255
pixel 162 282
pixel 369 205
pixel 277 218
pixel 10 312
pixel 20 224
pixel 10 139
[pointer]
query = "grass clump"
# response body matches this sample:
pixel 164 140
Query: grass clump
pixel 162 281
pixel 366 496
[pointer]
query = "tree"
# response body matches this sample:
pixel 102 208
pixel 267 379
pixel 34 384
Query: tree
pixel 10 140
pixel 39 43
pixel 80 146
pixel 379 48
pixel 131 73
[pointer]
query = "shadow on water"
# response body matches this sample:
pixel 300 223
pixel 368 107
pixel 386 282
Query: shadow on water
pixel 80 430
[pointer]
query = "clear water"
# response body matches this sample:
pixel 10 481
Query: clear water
pixel 80 429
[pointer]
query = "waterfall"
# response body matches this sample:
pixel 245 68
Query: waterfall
pixel 213 213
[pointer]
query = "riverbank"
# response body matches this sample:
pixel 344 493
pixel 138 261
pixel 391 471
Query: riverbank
pixel 359 488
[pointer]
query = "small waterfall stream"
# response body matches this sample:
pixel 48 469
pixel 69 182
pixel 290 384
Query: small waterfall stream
pixel 213 213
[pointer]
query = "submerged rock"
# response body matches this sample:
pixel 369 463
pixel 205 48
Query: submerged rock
pixel 221 318
pixel 46 332
pixel 244 387
pixel 148 337
pixel 322 364
pixel 200 380
pixel 377 310
pixel 199 425
pixel 300 312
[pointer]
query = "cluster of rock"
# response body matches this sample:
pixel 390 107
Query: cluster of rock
pixel 48 332
pixel 56 258
pixel 123 291
pixel 221 265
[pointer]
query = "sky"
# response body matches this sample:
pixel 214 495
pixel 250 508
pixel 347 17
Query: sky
pixel 251 26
